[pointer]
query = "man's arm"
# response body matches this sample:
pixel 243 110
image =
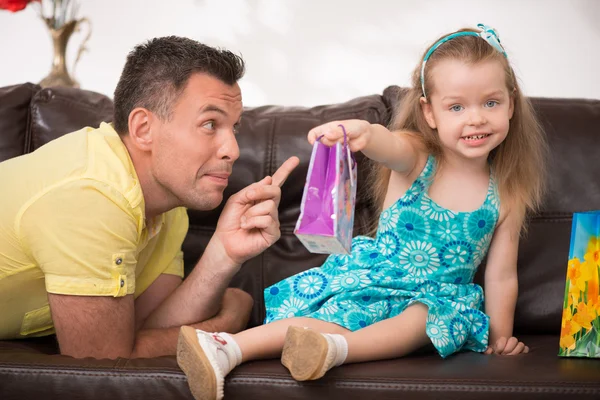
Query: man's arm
pixel 104 327
pixel 152 297
pixel 248 225
pixel 198 297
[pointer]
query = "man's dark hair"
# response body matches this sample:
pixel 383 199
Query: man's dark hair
pixel 156 73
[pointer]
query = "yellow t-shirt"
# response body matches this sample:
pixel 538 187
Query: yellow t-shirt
pixel 72 222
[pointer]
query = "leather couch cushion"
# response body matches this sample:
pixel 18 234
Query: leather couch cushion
pixel 28 373
pixel 56 111
pixel 14 119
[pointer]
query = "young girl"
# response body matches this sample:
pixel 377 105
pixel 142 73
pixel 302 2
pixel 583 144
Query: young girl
pixel 458 187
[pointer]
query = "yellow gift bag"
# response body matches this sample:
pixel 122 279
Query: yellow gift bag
pixel 580 330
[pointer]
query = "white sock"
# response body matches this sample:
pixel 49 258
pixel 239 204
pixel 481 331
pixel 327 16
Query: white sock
pixel 234 353
pixel 341 348
pixel 224 349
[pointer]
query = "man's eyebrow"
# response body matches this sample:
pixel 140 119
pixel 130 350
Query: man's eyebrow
pixel 213 108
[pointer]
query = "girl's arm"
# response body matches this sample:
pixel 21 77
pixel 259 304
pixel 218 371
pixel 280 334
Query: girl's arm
pixel 395 150
pixel 501 285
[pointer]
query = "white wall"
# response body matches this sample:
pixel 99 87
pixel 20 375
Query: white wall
pixel 308 52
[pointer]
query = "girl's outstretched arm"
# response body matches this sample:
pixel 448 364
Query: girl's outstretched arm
pixel 501 285
pixel 397 151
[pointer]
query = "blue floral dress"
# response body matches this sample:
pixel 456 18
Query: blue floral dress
pixel 422 253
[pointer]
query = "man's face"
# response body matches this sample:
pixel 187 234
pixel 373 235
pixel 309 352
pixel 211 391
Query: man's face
pixel 193 153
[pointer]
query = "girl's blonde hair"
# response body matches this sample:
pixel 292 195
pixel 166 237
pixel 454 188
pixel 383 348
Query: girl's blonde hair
pixel 518 162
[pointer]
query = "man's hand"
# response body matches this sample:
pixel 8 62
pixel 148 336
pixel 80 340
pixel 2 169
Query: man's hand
pixel 507 347
pixel 358 133
pixel 249 223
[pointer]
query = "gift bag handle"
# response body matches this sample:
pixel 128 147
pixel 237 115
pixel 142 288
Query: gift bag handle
pixel 349 154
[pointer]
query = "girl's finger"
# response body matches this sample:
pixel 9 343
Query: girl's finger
pixel 511 344
pixel 518 349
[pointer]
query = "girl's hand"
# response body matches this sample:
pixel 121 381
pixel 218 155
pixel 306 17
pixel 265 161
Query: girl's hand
pixel 507 347
pixel 358 131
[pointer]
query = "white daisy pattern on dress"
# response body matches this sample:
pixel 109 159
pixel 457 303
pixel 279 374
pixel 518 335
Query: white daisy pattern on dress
pixel 428 286
pixel 292 307
pixel 389 244
pixel 458 330
pixel 438 332
pixel 492 193
pixel 351 280
pixel 432 210
pixel 448 230
pixel 379 309
pixel 412 194
pixel 479 321
pixel 389 218
pixel 457 253
pixel 481 248
pixel 310 284
pixel 329 308
pixel 420 258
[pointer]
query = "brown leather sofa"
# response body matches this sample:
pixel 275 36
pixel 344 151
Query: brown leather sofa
pixel 33 369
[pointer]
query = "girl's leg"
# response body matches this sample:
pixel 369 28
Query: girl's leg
pixel 309 355
pixel 206 358
pixel 266 341
pixel 391 338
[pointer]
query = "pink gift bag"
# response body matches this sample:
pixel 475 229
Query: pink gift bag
pixel 327 208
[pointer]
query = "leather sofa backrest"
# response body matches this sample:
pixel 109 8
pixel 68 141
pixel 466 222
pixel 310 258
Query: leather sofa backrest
pixel 30 117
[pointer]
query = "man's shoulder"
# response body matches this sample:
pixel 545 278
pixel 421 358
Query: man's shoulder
pixel 91 160
pixel 110 164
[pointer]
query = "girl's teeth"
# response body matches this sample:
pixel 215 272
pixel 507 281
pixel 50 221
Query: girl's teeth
pixel 477 137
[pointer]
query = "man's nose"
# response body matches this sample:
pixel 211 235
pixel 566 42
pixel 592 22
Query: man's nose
pixel 229 150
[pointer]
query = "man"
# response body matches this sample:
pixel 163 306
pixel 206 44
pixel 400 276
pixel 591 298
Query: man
pixel 92 223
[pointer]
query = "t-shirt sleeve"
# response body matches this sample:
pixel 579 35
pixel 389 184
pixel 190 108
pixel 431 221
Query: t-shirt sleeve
pixel 83 235
pixel 175 267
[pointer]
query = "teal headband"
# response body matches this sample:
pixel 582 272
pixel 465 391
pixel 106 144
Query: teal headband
pixel 488 34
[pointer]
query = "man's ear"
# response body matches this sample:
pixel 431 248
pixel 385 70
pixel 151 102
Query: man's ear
pixel 140 132
pixel 428 113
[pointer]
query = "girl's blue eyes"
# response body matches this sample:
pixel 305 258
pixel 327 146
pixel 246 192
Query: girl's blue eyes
pixel 488 104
